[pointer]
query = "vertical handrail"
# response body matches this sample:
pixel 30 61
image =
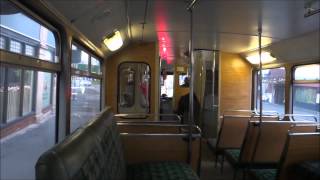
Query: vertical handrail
pixel 190 86
pixel 191 64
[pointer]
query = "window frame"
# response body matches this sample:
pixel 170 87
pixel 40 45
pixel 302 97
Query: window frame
pixel 23 62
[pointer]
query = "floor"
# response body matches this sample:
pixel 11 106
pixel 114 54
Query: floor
pixel 208 169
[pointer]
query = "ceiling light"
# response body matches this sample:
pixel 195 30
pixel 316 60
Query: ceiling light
pixel 114 41
pixel 265 58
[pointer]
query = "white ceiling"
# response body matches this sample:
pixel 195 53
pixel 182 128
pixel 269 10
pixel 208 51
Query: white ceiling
pixel 226 25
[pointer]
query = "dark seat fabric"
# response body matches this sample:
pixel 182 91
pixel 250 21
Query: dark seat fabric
pixel 264 174
pixel 308 170
pixel 91 152
pixel 94 152
pixel 233 154
pixel 161 171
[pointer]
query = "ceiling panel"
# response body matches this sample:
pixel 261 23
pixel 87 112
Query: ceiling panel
pixel 226 25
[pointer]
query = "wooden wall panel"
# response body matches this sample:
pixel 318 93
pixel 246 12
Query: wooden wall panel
pixel 235 82
pixel 142 52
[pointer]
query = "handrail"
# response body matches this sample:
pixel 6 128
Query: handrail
pixel 162 125
pixel 198 135
pixel 148 121
pixel 144 115
pixel 291 116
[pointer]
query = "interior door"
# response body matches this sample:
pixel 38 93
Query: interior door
pixel 134 88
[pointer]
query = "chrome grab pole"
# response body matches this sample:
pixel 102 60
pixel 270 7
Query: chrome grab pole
pixel 260 77
pixel 191 82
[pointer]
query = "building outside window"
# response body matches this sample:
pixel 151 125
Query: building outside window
pixel 273 89
pixel 15 46
pixel 2 43
pixel 29 50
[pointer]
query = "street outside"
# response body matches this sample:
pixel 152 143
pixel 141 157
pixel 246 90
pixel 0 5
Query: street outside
pixel 20 150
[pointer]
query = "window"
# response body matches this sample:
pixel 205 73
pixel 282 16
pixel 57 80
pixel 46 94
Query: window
pixel 2 43
pixel 27 129
pixel 95 66
pixel 167 85
pixel 15 46
pixel 85 101
pixel 80 59
pixel 28 89
pixel 29 50
pixel 20 30
pixel 27 94
pixel 306 90
pixel 273 88
pixel 85 86
pixel 134 88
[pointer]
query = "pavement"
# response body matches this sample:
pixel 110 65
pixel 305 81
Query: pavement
pixel 20 151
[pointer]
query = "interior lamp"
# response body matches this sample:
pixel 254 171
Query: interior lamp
pixel 113 41
pixel 266 57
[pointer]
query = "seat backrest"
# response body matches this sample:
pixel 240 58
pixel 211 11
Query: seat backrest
pixel 232 131
pixel 300 147
pixel 104 127
pixel 91 152
pixel 264 141
pixel 271 141
pixel 77 157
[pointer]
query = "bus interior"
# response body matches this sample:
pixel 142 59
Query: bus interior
pixel 159 89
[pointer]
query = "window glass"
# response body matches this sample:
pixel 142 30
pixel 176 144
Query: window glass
pixel 307 72
pixel 46 88
pixel 306 91
pixel 85 101
pixel 21 29
pixel 273 88
pixel 167 86
pixel 95 66
pixel 14 93
pixel 29 50
pixel 23 140
pixel 15 46
pixel 183 80
pixel 2 78
pixel 2 43
pixel 28 91
pixel 80 59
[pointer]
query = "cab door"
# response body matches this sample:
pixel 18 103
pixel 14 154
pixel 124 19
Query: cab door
pixel 134 88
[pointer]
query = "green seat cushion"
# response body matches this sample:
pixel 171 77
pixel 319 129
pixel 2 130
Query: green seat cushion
pixel 234 154
pixel 161 171
pixel 265 174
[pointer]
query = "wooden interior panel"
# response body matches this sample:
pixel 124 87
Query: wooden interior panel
pixel 235 82
pixel 138 149
pixel 303 128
